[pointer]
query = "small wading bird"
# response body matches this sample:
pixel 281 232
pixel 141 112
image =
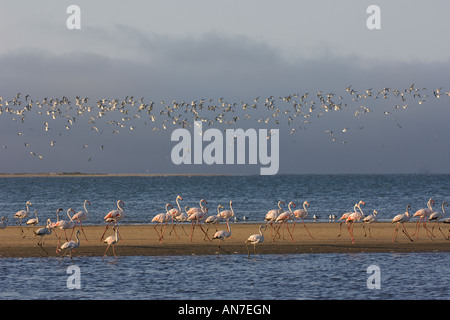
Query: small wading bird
pixel 70 246
pixel 254 239
pixel 222 235
pixel 111 241
pixel 114 216
pixel 401 219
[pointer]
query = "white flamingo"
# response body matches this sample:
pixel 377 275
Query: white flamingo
pixel 283 218
pixel 401 219
pixel 227 214
pixel 81 216
pixel 114 216
pixel 70 246
pixel 423 215
pixel 34 221
pixel 352 219
pixel 272 215
pixel 162 219
pixel 368 220
pixel 42 232
pixel 345 216
pixel 64 225
pixel 254 239
pixel 436 217
pixel 22 214
pixel 222 235
pixel 111 241
pixel 302 214
pixel 214 219
pixel 196 216
pixel 174 212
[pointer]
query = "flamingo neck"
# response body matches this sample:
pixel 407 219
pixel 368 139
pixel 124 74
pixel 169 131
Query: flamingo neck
pixel 178 204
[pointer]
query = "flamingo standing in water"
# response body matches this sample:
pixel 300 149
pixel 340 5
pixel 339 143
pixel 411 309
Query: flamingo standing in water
pixel 114 216
pixel 345 216
pixel 196 216
pixel 368 220
pixel 436 217
pixel 423 215
pixel 272 215
pixel 70 246
pixel 174 212
pixel 401 219
pixel 254 239
pixel 162 219
pixel 111 241
pixel 283 218
pixel 302 213
pixel 22 214
pixel 222 235
pixel 81 216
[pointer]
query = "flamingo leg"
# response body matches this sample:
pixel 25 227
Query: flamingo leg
pixel 105 251
pixel 395 232
pixel 406 232
pixel 106 228
pixel 307 229
pixel 340 229
pixel 287 227
pixel 173 228
pixel 206 234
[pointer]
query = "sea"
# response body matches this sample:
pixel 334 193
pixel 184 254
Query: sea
pixel 327 276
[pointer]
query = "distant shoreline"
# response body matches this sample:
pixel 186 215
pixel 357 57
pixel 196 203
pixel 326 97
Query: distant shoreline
pixel 80 174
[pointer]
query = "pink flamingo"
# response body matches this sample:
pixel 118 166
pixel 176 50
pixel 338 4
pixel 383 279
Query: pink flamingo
pixel 214 219
pixel 64 225
pixel 436 217
pixel 254 239
pixel 162 219
pixel 196 216
pixel 222 235
pixel 354 217
pixel 71 246
pixel 111 241
pixel 227 214
pixel 423 215
pixel 302 213
pixel 114 216
pixel 401 219
pixel 368 220
pixel 272 215
pixel 174 212
pixel 345 216
pixel 81 216
pixel 283 218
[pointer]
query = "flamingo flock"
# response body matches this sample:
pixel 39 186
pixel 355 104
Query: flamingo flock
pixel 277 219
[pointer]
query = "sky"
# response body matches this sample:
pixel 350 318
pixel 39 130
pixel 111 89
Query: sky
pixel 235 50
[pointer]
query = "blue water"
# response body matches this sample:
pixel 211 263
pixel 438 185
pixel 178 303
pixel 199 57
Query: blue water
pixel 267 277
pixel 282 277
pixel 252 196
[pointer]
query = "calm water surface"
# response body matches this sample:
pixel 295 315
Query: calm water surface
pixel 282 277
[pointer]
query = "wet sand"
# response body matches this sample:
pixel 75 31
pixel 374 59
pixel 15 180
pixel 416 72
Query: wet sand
pixel 143 240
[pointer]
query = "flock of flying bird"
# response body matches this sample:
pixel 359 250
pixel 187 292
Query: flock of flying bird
pixel 113 116
pixel 199 215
